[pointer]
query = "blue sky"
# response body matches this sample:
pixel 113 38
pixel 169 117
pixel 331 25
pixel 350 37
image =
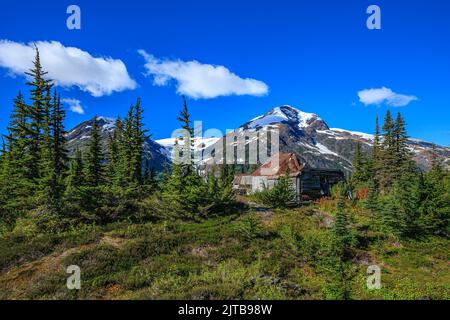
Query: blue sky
pixel 314 55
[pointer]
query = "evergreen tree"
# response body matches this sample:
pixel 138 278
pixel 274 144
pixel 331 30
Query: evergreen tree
pixel 94 159
pixel 188 138
pixel 60 157
pixel 342 234
pixel 361 167
pixel 75 184
pixel 339 260
pixel 401 207
pixel 119 157
pixel 435 207
pixel 113 156
pixel 126 147
pixel 401 137
pixel 36 112
pixel 374 162
pixel 47 178
pixel 280 196
pixel 387 161
pixel 139 137
pixel 372 197
pixel 16 185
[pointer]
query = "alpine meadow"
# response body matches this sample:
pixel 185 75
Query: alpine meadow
pixel 109 190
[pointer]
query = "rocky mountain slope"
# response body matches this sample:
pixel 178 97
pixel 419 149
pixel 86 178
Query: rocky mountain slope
pixel 320 146
pixel 305 134
pixel 79 137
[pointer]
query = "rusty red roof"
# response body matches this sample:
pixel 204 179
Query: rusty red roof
pixel 280 164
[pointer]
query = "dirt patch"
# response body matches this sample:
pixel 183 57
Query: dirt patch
pixel 114 242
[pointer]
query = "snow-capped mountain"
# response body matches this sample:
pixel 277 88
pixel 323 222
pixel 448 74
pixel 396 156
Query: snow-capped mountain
pixel 305 134
pixel 79 137
pixel 200 144
pixel 320 146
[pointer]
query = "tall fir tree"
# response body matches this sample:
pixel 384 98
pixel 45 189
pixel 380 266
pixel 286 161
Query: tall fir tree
pixel 361 167
pixel 36 112
pixel 375 159
pixel 75 196
pixel 47 175
pixel 387 157
pixel 402 153
pixel 94 158
pixel 139 138
pixel 187 148
pixel 435 206
pixel 60 157
pixel 16 184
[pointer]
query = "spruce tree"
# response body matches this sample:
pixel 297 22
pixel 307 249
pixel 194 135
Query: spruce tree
pixel 372 197
pixel 361 167
pixel 139 138
pixel 387 161
pixel 47 178
pixel 36 112
pixel 340 286
pixel 16 184
pixel 435 206
pixel 402 153
pixel 112 157
pixel 94 158
pixel 60 157
pixel 75 195
pixel 188 138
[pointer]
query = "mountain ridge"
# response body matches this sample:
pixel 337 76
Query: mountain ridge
pixel 303 133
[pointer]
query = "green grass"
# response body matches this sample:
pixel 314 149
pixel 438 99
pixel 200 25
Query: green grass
pixel 280 255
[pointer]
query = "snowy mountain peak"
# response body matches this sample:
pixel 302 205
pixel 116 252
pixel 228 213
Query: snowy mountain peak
pixel 287 114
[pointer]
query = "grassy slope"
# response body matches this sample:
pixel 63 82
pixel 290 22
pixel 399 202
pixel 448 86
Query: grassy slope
pixel 216 259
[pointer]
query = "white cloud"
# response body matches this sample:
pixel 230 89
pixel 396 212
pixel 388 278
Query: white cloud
pixel 68 66
pixel 74 105
pixel 384 96
pixel 200 81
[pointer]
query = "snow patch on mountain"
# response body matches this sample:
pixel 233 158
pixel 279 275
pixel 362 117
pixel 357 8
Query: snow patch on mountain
pixel 324 150
pixel 363 135
pixel 283 114
pixel 200 144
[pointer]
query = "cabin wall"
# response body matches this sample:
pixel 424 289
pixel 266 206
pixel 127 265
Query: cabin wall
pixel 318 183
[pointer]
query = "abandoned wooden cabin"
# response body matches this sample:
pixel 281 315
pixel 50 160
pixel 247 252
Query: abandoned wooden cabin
pixel 309 183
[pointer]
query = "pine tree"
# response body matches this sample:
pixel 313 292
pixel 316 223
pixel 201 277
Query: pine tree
pixel 94 159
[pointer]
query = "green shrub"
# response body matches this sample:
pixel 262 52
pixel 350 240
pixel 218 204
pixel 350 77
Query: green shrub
pixel 280 196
